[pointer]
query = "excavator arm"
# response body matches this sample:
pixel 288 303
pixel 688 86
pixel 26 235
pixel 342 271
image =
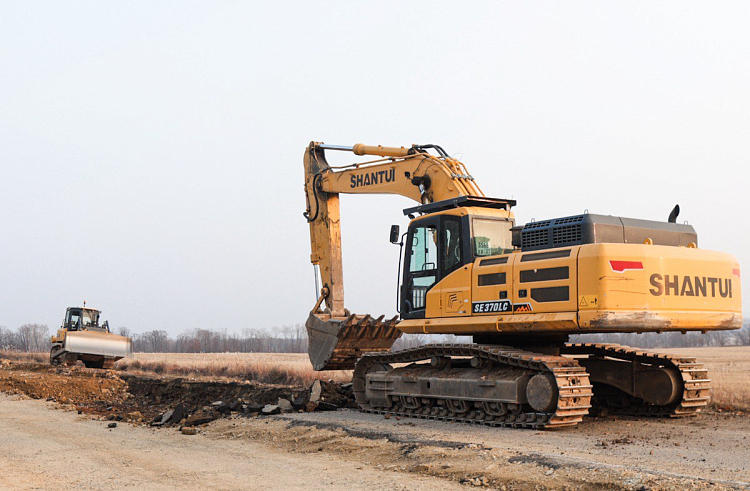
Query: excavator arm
pixel 336 336
pixel 410 172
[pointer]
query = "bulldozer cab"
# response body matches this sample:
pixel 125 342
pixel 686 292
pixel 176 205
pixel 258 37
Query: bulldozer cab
pixel 444 239
pixel 79 319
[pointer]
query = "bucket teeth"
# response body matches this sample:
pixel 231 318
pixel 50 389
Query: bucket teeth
pixel 335 343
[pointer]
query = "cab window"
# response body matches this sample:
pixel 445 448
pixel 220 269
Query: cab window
pixel 423 267
pixel 90 318
pixel 491 237
pixel 73 317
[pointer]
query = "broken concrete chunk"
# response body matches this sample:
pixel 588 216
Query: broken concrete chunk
pixel 178 414
pixel 285 405
pixel 173 416
pixel 315 391
pixel 254 408
pixel 163 418
pixel 314 399
pixel 269 409
pixel 301 401
pixel 224 409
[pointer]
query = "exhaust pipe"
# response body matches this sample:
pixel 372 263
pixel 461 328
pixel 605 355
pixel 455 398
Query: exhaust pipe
pixel 673 216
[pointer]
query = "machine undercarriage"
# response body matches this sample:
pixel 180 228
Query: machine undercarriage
pixel 504 386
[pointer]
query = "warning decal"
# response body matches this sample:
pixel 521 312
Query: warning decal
pixel 588 301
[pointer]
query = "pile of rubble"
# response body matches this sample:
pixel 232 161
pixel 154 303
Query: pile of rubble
pixel 163 402
pixel 321 396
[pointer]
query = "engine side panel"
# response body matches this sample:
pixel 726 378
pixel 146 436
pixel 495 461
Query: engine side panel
pixel 592 288
pixel 629 286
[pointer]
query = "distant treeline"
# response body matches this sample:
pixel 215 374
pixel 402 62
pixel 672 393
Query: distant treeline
pixel 293 339
pixel 28 338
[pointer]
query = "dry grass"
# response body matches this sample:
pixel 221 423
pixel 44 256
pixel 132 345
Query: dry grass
pixel 729 370
pixel 23 356
pixel 273 368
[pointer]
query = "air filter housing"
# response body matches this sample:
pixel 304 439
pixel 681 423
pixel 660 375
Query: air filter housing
pixel 594 229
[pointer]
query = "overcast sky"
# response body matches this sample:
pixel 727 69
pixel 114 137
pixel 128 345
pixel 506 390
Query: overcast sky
pixel 151 152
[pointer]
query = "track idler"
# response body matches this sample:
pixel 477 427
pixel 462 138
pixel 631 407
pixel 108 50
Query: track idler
pixel 335 343
pixel 642 383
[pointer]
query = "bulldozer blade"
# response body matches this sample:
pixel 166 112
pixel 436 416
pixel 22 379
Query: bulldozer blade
pixel 335 343
pixel 98 343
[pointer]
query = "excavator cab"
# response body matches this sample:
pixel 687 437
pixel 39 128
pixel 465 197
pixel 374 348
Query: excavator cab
pixel 448 236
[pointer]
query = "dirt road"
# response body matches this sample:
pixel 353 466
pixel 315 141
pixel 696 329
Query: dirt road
pixel 351 450
pixel 43 448
pixel 712 450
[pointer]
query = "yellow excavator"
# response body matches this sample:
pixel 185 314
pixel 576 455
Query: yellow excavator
pixel 519 292
pixel 81 337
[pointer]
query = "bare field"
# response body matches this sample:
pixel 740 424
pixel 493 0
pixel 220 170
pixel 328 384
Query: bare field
pixel 729 370
pixel 277 368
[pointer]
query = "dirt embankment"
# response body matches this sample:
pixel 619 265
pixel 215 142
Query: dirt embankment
pixel 121 396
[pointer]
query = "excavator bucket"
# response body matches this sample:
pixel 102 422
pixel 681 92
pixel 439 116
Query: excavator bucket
pixel 98 343
pixel 335 343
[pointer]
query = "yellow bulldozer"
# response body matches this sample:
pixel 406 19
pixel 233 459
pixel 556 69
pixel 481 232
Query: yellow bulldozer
pixel 519 291
pixel 81 337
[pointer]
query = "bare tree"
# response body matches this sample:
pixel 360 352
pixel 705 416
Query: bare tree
pixel 743 335
pixel 155 341
pixel 7 338
pixel 33 337
pixel 410 341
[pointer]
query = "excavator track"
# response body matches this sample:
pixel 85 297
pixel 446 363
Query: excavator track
pixel 573 390
pixel 696 386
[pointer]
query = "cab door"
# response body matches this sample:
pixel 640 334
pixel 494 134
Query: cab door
pixel 454 289
pixel 420 268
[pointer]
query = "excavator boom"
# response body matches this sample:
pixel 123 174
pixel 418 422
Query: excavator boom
pixel 337 337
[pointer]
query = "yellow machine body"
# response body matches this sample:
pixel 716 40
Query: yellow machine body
pixel 523 295
pixel 586 289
